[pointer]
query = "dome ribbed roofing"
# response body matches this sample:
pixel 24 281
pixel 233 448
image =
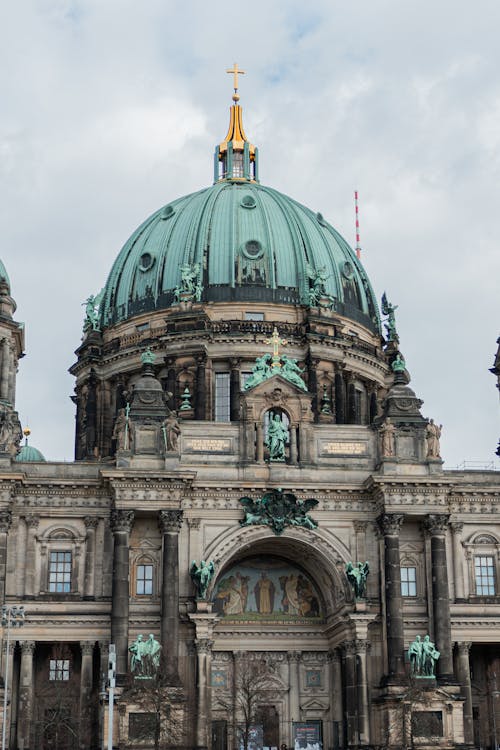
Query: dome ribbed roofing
pixel 252 244
pixel 29 453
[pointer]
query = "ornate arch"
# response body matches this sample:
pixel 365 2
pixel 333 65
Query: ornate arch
pixel 322 557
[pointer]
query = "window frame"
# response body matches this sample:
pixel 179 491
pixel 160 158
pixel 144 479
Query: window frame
pixel 63 572
pixel 63 671
pixel 407 566
pixel 225 407
pixel 482 544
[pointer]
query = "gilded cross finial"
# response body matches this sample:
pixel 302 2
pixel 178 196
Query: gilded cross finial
pixel 235 71
pixel 276 341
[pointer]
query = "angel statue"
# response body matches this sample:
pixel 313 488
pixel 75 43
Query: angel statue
pixel 92 304
pixel 390 323
pixel 357 575
pixel 201 575
pixel 317 281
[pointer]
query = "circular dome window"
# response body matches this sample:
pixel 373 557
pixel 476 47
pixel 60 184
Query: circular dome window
pixel 146 262
pixel 253 249
pixel 248 201
pixel 167 212
pixel 348 270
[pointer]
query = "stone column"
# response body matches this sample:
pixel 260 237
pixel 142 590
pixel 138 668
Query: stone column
pixel 260 441
pixel 91 523
pixel 25 695
pixel 437 526
pixel 12 374
pixel 234 390
pixel 121 523
pixel 312 384
pixel 9 687
pixel 351 694
pixel 87 650
pixel 32 523
pixel 339 398
pixel 5 524
pixel 293 444
pixel 172 383
pixel 362 648
pixel 360 531
pixel 200 404
pixel 463 673
pixel 390 525
pixel 336 698
pixel 4 384
pixel 203 658
pixel 458 568
pixel 351 402
pixel 294 684
pixel 170 525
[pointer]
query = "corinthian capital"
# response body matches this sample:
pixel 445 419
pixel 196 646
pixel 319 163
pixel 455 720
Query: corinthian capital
pixel 121 520
pixel 437 524
pixel 5 521
pixel 390 523
pixel 170 521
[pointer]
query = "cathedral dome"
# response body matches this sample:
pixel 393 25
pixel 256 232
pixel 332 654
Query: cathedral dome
pixel 241 242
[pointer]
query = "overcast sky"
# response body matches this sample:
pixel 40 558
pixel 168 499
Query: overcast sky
pixel 110 109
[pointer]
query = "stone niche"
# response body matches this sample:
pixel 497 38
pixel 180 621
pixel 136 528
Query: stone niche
pixel 272 395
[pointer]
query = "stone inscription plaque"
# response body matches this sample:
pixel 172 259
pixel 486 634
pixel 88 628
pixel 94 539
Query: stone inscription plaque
pixel 343 448
pixel 207 445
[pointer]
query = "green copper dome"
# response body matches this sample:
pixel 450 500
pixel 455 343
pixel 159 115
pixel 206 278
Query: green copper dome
pixel 247 243
pixel 29 453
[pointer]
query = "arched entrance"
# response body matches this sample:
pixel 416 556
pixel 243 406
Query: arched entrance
pixel 272 677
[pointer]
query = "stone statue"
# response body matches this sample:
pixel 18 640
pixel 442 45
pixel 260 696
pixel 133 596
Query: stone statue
pixel 390 323
pixel 171 432
pixel 422 656
pixel 357 575
pixel 201 575
pixel 292 372
pixel 123 431
pixel 145 656
pixel 387 432
pixel 11 433
pixel 277 438
pixel 433 434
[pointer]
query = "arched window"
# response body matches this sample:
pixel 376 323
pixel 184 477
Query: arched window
pixel 482 552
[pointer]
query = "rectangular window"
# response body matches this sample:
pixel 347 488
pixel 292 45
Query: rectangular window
pixel 222 397
pixel 408 581
pixel 59 669
pixel 144 580
pixel 60 572
pixel 254 316
pixel 485 575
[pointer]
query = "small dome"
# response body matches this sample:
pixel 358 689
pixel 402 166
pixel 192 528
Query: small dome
pixel 4 275
pixel 29 453
pixel 249 243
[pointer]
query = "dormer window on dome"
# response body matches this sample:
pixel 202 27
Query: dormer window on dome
pixel 236 158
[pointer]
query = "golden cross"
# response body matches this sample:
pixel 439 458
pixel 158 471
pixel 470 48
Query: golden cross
pixel 275 341
pixel 235 71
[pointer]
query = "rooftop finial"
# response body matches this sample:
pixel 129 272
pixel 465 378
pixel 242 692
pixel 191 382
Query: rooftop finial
pixel 235 71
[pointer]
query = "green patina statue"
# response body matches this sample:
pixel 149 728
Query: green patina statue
pixel 148 357
pixel 357 575
pixel 186 400
pixel 390 323
pixel 277 438
pixel 201 575
pixel 278 509
pixel 423 657
pixel 318 296
pixel 398 364
pixel 145 656
pixel 92 304
pixel 190 288
pixel 267 366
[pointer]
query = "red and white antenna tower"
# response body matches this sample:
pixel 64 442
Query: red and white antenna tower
pixel 358 246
